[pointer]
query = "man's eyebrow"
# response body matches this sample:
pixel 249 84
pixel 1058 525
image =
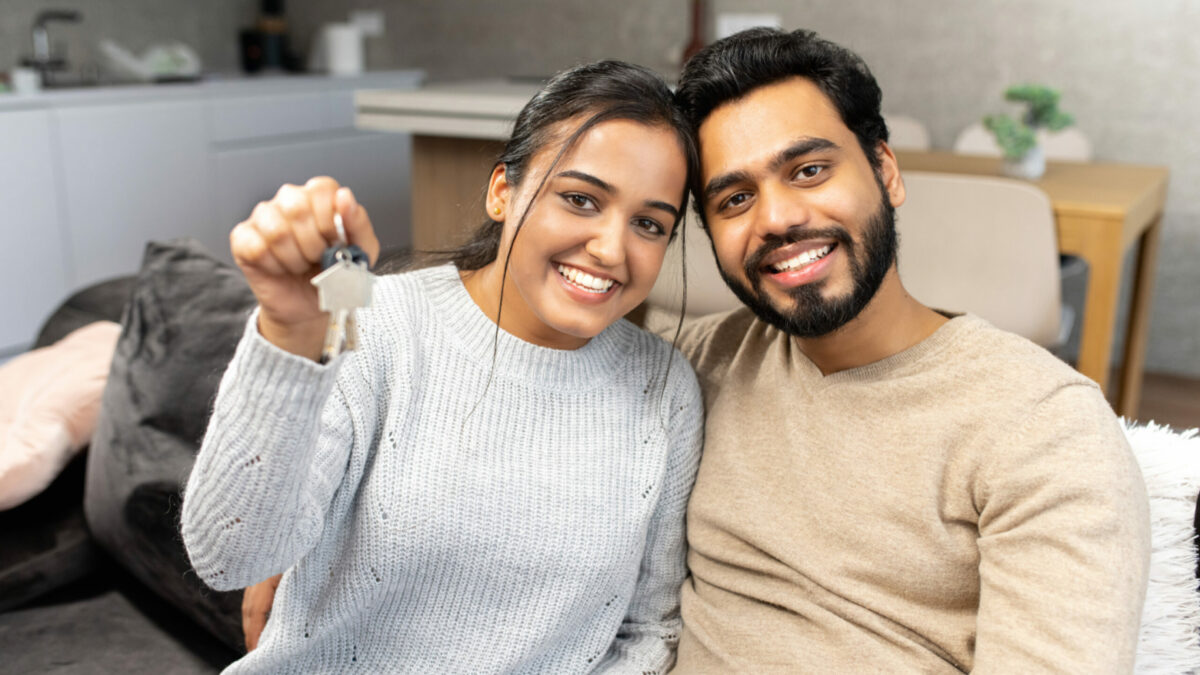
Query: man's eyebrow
pixel 719 183
pixel 799 148
pixel 588 178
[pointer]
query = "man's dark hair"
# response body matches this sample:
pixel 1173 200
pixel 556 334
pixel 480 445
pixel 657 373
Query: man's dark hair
pixel 733 67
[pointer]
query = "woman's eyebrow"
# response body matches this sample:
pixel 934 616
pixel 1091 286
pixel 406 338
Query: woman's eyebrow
pixel 588 178
pixel 655 204
pixel 611 189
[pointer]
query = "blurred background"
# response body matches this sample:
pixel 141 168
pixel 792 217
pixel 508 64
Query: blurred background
pixel 1128 72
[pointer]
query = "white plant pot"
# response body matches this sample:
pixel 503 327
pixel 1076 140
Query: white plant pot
pixel 1029 167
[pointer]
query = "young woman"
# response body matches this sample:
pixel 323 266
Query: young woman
pixel 495 479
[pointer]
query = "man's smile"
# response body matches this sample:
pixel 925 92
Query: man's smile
pixel 798 255
pixel 798 263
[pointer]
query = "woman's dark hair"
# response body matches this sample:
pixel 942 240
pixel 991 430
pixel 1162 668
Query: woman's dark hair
pixel 607 90
pixel 733 67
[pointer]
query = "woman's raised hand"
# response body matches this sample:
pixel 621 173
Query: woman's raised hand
pixel 279 250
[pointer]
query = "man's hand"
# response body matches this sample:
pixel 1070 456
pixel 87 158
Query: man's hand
pixel 256 607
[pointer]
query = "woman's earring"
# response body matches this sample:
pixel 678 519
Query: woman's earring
pixel 497 210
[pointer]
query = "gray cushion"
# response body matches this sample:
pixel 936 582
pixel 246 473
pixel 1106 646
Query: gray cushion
pixel 185 316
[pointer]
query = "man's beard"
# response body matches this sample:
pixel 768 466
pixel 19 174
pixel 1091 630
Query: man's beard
pixel 813 315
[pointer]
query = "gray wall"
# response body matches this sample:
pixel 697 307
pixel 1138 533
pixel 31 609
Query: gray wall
pixel 1129 72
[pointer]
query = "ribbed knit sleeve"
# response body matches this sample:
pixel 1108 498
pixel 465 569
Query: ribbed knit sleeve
pixel 272 458
pixel 1064 543
pixel 649 634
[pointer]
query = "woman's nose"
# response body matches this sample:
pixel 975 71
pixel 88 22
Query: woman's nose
pixel 607 243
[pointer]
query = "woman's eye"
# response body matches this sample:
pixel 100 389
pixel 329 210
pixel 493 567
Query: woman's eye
pixel 650 225
pixel 579 201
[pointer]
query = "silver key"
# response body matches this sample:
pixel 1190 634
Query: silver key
pixel 342 288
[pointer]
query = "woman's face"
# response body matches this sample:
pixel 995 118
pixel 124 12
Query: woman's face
pixel 594 240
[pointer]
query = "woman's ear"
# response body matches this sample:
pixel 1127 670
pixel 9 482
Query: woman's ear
pixel 498 194
pixel 889 175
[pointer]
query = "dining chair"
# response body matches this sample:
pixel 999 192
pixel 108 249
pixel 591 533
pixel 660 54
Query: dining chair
pixel 1068 144
pixel 982 245
pixel 906 133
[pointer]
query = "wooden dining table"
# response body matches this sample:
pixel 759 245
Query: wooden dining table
pixel 1102 210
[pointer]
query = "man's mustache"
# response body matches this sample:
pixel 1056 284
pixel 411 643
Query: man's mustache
pixel 774 242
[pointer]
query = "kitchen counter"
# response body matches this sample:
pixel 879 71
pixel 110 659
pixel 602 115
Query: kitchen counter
pixel 458 130
pixel 216 85
pixel 483 109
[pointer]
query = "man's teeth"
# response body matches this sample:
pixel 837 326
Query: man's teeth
pixel 803 259
pixel 584 280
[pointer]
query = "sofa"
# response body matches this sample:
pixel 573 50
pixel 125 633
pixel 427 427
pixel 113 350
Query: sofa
pixel 112 516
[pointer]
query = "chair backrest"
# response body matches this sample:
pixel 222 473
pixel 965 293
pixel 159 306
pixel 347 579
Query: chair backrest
pixel 982 245
pixel 707 292
pixel 1070 144
pixel 906 133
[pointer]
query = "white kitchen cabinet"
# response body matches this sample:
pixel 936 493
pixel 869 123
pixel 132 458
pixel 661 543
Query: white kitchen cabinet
pixel 132 173
pixel 87 177
pixel 34 275
pixel 244 118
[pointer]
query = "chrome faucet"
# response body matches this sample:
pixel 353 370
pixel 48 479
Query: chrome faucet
pixel 43 60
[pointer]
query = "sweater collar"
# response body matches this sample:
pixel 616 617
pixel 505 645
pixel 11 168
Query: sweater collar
pixel 944 337
pixel 515 359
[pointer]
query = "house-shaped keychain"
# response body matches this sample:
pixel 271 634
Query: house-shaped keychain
pixel 346 285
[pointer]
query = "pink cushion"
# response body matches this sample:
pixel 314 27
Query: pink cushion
pixel 49 399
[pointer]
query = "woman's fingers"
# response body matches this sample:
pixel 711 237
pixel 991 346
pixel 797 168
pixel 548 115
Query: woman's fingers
pixel 278 228
pixel 318 233
pixel 357 223
pixel 288 234
pixel 251 251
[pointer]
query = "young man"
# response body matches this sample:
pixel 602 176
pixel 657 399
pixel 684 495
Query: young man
pixel 884 487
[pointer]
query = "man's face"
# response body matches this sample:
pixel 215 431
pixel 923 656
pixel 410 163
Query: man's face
pixel 801 223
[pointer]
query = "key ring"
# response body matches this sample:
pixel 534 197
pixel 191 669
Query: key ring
pixel 341 229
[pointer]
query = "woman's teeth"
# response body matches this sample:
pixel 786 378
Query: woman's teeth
pixel 584 280
pixel 809 256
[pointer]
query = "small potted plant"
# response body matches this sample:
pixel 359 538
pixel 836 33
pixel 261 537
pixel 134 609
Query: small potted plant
pixel 1018 138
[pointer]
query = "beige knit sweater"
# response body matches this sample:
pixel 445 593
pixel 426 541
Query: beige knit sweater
pixel 969 504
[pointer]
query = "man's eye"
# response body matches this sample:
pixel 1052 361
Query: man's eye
pixel 734 200
pixel 810 171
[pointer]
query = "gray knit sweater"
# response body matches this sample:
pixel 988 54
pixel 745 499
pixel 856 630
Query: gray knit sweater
pixel 427 526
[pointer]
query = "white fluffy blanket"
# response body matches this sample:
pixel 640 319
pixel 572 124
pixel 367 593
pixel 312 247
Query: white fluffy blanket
pixel 1170 636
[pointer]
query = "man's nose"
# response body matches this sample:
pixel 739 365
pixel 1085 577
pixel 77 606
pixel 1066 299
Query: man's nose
pixel 780 209
pixel 606 242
